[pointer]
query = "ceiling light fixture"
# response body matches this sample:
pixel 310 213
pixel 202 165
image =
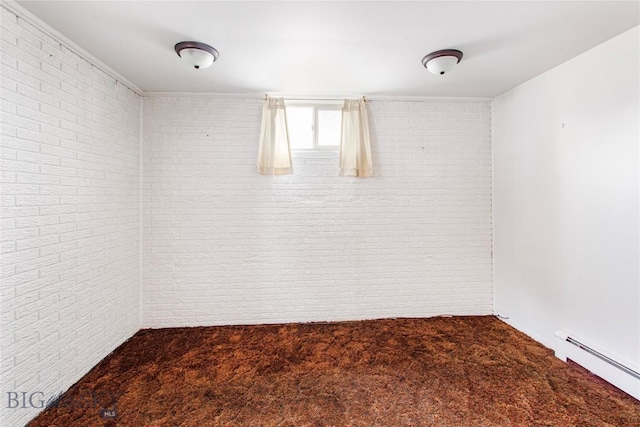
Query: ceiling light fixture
pixel 199 55
pixel 442 61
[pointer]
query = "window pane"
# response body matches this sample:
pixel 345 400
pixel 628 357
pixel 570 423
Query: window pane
pixel 300 124
pixel 329 128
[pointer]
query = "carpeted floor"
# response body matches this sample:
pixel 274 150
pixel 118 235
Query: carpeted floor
pixel 461 371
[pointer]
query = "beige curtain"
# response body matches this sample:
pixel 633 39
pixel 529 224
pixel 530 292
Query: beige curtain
pixel 274 154
pixel 355 147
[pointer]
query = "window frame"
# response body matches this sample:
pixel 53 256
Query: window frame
pixel 316 106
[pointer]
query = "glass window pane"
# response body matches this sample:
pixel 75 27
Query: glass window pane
pixel 300 125
pixel 329 122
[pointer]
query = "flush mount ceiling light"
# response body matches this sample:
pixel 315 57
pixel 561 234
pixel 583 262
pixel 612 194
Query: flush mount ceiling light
pixel 199 55
pixel 442 61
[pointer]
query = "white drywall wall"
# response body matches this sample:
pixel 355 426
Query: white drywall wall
pixel 566 185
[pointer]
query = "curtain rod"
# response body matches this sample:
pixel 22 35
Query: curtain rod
pixel 312 99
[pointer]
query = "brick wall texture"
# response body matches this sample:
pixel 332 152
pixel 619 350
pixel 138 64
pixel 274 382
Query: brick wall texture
pixel 70 212
pixel 224 245
pixel 120 212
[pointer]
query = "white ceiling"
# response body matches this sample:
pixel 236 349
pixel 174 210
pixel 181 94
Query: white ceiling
pixel 337 48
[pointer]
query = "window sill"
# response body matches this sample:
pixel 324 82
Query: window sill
pixel 314 154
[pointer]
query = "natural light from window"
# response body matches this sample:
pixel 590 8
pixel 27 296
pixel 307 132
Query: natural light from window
pixel 314 127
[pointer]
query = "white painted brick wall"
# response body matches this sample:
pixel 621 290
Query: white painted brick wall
pixel 70 169
pixel 224 245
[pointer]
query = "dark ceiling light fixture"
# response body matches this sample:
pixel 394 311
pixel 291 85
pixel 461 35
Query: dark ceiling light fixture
pixel 199 55
pixel 442 61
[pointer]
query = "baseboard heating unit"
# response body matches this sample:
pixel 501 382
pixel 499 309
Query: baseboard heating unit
pixel 619 374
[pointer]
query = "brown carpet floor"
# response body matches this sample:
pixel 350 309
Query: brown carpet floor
pixel 461 371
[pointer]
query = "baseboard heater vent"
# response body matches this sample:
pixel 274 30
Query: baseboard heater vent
pixel 611 370
pixel 603 357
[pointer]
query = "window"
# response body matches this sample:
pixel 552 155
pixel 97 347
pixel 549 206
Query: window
pixel 314 127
